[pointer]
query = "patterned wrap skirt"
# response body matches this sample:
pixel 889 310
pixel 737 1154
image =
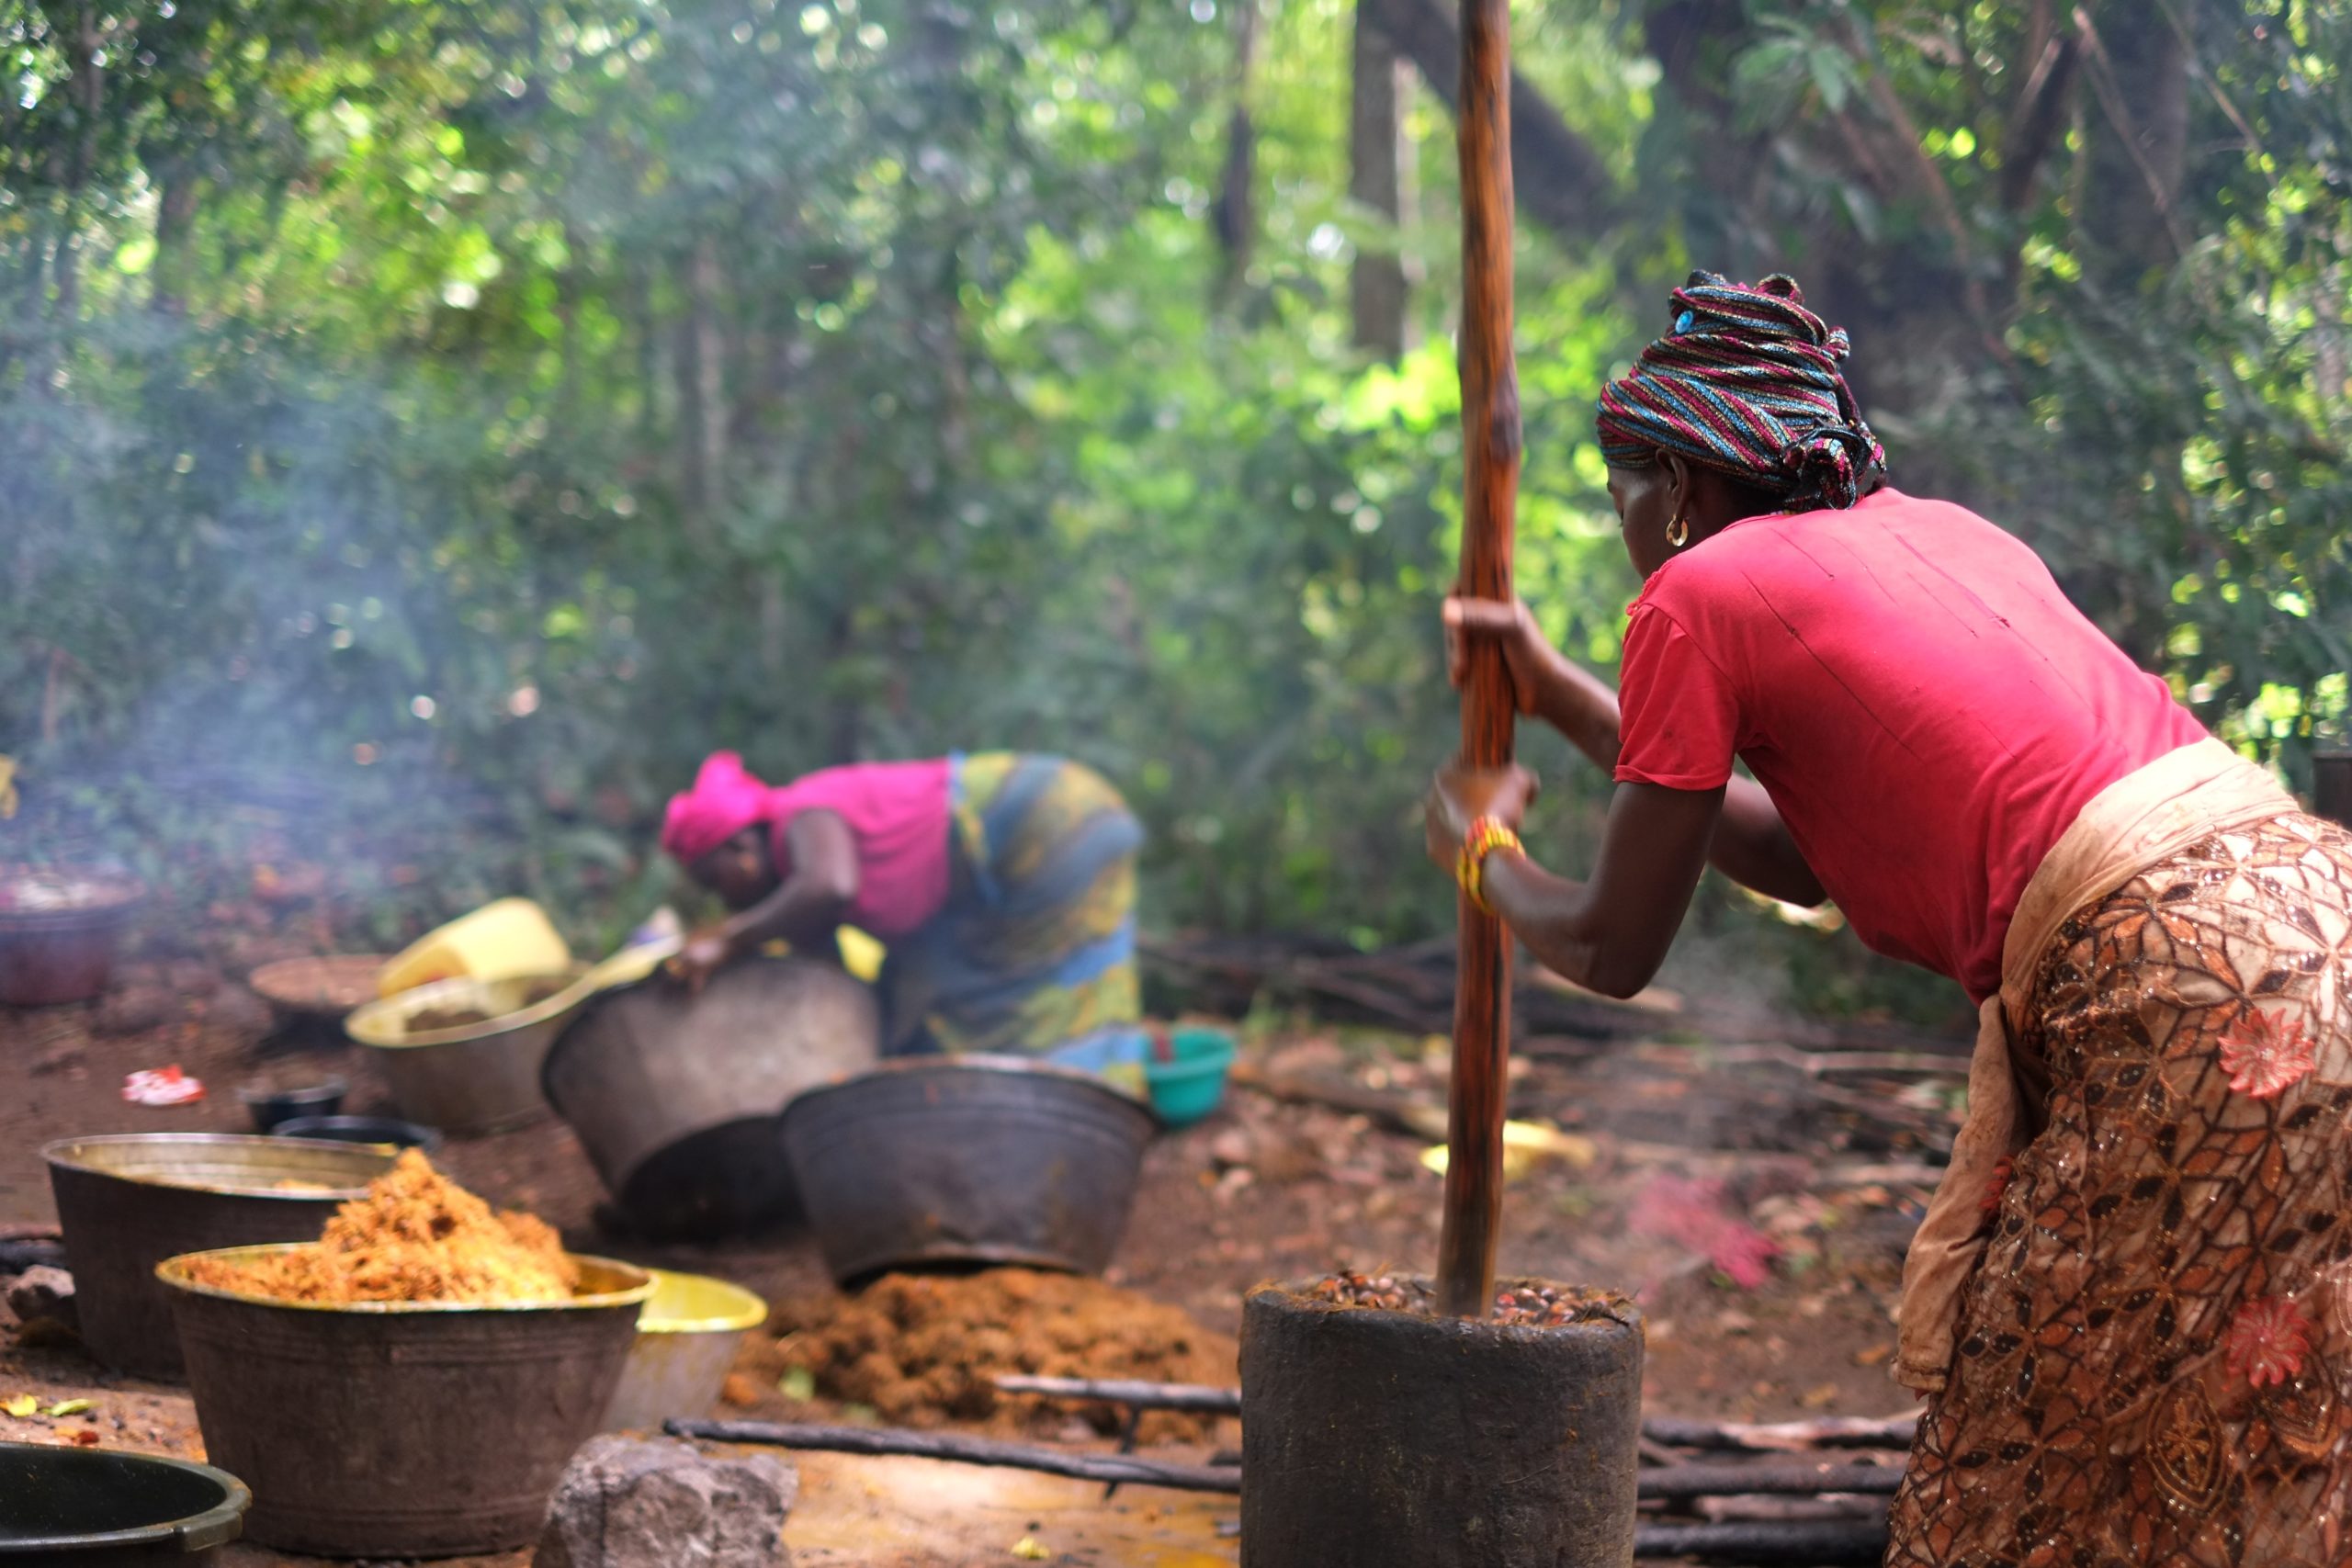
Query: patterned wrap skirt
pixel 2152 1365
pixel 1034 953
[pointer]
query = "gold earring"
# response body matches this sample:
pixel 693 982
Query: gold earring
pixel 1678 532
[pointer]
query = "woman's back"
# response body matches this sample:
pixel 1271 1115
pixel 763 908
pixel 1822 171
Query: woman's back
pixel 1926 709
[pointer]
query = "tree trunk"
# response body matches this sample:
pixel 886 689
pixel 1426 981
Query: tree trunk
pixel 703 381
pixel 89 96
pixel 1377 290
pixel 2139 140
pixel 174 220
pixel 1235 215
pixel 1561 179
pixel 652 376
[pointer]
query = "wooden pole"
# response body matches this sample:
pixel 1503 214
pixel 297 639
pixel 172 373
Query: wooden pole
pixel 1474 1171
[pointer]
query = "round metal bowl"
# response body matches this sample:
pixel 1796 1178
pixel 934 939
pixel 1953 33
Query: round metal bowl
pixel 127 1202
pixel 687 1340
pixel 477 1076
pixel 91 1508
pixel 674 1094
pixel 402 1428
pixel 967 1160
pixel 54 952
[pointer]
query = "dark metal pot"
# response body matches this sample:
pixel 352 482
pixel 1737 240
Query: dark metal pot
pixel 51 956
pixel 674 1095
pixel 1395 1439
pixel 93 1508
pixel 403 1429
pixel 970 1159
pixel 130 1201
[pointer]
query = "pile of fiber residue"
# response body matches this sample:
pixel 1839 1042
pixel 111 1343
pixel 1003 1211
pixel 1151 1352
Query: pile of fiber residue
pixel 922 1349
pixel 414 1236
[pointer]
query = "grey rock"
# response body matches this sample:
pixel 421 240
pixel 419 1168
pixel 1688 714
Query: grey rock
pixel 630 1503
pixel 42 1292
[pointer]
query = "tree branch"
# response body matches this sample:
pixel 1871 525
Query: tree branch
pixel 1561 181
pixel 2034 121
pixel 2114 104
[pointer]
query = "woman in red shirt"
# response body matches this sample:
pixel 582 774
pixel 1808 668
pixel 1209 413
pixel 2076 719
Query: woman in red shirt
pixel 2131 1302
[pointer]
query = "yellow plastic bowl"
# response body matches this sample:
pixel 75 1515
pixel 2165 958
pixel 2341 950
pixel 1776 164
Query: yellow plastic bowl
pixel 503 941
pixel 687 1338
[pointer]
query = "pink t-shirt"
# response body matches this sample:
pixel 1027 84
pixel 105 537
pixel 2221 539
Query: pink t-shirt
pixel 1922 703
pixel 898 814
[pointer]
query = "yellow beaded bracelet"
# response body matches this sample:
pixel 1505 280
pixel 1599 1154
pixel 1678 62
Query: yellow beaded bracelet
pixel 1486 836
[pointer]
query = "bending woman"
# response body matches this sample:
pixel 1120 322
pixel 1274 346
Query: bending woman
pixel 2131 1302
pixel 1002 886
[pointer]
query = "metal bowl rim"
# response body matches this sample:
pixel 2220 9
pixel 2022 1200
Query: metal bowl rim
pixel 54 1154
pixel 129 891
pixel 255 982
pixel 980 1064
pixel 333 1083
pixel 626 1296
pixel 985 1253
pixel 236 1498
pixel 741 1320
pixel 576 991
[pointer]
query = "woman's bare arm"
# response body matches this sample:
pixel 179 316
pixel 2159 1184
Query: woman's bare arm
pixel 1612 933
pixel 1751 845
pixel 814 897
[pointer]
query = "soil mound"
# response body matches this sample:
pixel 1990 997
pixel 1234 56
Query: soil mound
pixel 923 1350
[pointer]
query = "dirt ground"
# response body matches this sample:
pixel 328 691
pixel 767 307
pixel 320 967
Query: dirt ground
pixel 1758 1214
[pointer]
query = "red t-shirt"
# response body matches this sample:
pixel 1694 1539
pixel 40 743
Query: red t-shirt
pixel 1922 703
pixel 897 812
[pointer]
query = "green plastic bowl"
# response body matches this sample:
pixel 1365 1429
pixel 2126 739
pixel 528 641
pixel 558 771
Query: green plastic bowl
pixel 1185 1090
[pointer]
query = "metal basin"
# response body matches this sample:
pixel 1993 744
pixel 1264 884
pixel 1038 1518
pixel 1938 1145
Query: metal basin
pixel 965 1160
pixel 687 1340
pixel 91 1508
pixel 127 1202
pixel 674 1095
pixel 475 1077
pixel 58 934
pixel 402 1428
pixel 308 997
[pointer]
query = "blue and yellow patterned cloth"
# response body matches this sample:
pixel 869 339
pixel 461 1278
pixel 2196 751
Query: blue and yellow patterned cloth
pixel 1033 954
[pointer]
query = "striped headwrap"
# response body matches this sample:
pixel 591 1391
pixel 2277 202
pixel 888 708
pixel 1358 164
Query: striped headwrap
pixel 1746 381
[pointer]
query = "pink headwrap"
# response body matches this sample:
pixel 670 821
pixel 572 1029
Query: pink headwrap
pixel 725 800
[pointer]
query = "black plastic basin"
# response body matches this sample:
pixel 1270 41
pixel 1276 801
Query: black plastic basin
pixel 92 1508
pixel 361 1130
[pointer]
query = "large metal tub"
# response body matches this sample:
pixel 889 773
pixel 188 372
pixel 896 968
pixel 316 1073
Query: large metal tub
pixel 969 1159
pixel 130 1201
pixel 472 1078
pixel 402 1428
pixel 91 1508
pixel 674 1095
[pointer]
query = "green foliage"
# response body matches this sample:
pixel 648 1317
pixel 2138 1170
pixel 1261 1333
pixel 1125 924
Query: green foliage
pixel 431 427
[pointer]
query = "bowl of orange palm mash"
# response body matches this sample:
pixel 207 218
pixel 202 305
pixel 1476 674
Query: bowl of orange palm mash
pixel 411 1383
